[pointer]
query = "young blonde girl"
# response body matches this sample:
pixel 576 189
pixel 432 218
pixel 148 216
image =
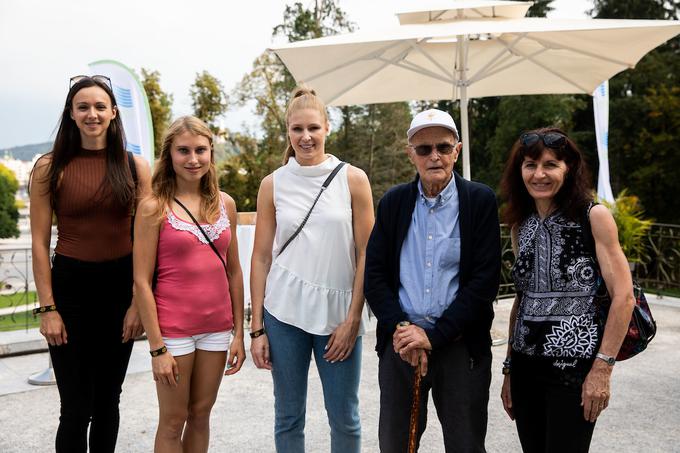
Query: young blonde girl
pixel 193 311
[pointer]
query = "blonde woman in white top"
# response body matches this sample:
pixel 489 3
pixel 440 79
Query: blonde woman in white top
pixel 308 300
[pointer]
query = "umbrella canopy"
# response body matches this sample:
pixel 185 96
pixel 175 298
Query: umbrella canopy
pixel 441 10
pixel 467 58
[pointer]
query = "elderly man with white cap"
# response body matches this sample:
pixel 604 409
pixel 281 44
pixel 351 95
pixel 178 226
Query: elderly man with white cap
pixel 432 274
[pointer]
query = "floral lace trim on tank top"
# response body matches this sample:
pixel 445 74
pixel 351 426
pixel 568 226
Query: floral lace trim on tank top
pixel 213 230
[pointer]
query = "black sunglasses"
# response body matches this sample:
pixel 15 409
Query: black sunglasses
pixel 98 78
pixel 552 140
pixel 426 150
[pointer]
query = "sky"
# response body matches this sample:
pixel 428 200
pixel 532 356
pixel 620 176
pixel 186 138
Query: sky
pixel 45 42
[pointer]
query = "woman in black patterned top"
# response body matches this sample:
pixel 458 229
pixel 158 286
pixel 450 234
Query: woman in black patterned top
pixel 561 354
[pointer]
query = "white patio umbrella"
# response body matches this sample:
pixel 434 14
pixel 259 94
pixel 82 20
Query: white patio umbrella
pixel 440 10
pixel 471 57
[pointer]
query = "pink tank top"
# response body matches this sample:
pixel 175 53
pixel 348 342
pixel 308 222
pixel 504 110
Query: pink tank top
pixel 192 291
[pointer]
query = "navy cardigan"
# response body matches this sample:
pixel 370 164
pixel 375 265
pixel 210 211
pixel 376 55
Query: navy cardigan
pixel 469 316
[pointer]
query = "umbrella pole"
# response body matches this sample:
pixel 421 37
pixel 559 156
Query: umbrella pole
pixel 415 410
pixel 464 125
pixel 462 55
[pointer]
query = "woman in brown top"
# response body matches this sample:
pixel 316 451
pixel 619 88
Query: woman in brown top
pixel 87 313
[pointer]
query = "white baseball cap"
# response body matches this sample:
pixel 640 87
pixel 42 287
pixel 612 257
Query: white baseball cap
pixel 429 118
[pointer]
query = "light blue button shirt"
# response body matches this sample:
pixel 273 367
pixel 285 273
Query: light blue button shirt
pixel 430 257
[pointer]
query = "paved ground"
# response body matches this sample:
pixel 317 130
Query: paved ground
pixel 644 415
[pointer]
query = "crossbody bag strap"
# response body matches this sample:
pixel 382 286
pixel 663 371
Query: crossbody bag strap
pixel 212 245
pixel 304 221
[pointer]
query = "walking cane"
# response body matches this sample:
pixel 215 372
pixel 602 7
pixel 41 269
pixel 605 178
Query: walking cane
pixel 415 409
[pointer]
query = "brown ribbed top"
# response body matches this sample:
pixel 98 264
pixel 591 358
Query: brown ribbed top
pixel 92 226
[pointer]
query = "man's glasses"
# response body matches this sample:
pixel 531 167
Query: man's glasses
pixel 552 140
pixel 98 78
pixel 426 150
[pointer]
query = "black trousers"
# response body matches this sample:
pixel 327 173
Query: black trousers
pixel 92 299
pixel 547 409
pixel 460 391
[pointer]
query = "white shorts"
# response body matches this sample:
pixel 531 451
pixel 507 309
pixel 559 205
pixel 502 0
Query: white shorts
pixel 215 341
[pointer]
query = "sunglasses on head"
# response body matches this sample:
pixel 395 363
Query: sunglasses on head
pixel 553 140
pixel 426 150
pixel 97 78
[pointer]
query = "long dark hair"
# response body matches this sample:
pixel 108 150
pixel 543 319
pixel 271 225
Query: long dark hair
pixel 573 196
pixel 67 144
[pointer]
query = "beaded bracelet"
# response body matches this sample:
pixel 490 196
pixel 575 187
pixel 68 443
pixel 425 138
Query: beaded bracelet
pixel 44 309
pixel 257 333
pixel 159 351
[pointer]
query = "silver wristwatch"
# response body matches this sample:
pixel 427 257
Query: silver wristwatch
pixel 611 361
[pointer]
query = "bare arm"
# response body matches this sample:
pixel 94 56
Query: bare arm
pixel 132 325
pixel 614 267
pixel 505 389
pixel 261 261
pixel 51 324
pixel 237 353
pixel 341 341
pixel 147 230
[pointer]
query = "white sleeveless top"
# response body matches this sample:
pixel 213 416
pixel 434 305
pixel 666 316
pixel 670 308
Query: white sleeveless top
pixel 310 285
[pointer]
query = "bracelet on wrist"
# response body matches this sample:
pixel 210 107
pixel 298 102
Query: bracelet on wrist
pixel 159 351
pixel 44 309
pixel 257 333
pixel 506 366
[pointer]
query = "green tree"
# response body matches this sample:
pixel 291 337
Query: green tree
pixel 9 215
pixel 241 174
pixel 208 100
pixel 373 138
pixel 325 18
pixel 643 123
pixel 269 84
pixel 160 104
pixel 635 9
pixel 540 8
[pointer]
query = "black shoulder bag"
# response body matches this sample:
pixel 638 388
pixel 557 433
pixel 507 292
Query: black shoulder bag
pixel 205 235
pixel 642 326
pixel 304 221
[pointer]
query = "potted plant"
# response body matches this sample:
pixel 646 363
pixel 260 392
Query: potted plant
pixel 632 227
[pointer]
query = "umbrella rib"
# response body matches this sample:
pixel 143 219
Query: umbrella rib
pixel 553 45
pixel 541 65
pixel 497 58
pixel 346 63
pixel 479 77
pixel 332 98
pixel 429 57
pixel 409 66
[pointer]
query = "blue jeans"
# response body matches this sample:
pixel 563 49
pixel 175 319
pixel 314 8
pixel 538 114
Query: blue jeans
pixel 290 352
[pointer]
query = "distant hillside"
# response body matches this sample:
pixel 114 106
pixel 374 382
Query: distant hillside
pixel 26 152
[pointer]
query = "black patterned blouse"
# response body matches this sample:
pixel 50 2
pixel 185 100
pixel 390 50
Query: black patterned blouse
pixel 557 278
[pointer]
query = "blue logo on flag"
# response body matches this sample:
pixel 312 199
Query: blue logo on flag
pixel 602 88
pixel 123 96
pixel 136 149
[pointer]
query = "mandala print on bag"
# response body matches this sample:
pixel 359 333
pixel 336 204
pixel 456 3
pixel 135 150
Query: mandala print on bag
pixel 573 337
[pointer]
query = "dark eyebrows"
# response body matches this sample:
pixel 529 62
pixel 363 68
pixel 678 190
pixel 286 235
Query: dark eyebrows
pixel 308 125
